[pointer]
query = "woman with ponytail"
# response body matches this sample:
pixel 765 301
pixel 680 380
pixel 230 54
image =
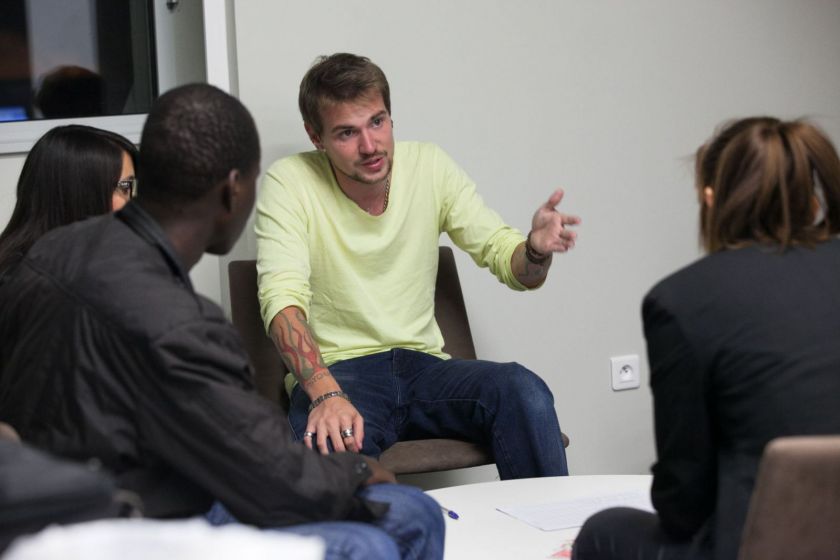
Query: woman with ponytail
pixel 743 344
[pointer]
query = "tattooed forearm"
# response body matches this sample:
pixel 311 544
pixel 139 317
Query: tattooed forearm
pixel 297 347
pixel 531 273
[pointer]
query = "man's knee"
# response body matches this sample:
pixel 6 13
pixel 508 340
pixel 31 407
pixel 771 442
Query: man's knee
pixel 520 383
pixel 425 509
pixel 410 506
pixel 362 543
pixel 413 519
pixel 423 524
pixel 407 503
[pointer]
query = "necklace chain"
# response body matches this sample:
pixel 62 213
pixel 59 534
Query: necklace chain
pixel 387 192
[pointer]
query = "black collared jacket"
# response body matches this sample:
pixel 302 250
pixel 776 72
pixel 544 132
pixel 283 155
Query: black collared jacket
pixel 108 355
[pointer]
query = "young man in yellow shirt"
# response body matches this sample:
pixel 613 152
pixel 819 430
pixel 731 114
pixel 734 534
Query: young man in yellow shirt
pixel 347 259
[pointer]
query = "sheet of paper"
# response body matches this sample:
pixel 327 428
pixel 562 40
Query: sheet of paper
pixel 566 514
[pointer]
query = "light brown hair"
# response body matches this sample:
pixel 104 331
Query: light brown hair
pixel 339 77
pixel 767 176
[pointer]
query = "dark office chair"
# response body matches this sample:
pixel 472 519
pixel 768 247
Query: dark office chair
pixel 795 507
pixel 405 457
pixel 38 490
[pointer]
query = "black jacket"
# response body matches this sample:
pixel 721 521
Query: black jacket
pixel 108 354
pixel 744 346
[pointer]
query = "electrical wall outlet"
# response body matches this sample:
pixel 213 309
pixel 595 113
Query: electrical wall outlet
pixel 625 372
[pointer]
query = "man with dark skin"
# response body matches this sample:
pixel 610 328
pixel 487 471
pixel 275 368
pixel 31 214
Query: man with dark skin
pixel 109 354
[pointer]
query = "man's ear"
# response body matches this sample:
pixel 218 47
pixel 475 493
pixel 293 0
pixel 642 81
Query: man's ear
pixel 231 190
pixel 314 137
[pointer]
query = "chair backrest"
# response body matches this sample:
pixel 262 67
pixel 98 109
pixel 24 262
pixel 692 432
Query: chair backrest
pixel 795 507
pixel 269 369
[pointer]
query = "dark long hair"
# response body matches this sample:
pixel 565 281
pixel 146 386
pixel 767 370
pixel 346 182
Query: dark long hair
pixel 768 176
pixel 69 175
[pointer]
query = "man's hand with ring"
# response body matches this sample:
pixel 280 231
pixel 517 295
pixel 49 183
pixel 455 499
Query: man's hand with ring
pixel 332 419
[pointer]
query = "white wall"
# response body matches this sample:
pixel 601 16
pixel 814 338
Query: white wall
pixel 10 166
pixel 181 60
pixel 220 45
pixel 608 99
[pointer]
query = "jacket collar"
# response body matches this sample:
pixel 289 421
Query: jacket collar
pixel 148 229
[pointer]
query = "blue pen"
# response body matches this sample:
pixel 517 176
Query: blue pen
pixel 449 512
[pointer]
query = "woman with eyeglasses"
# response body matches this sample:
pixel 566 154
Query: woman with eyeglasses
pixel 73 172
pixel 743 344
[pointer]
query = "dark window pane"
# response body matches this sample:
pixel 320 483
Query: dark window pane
pixel 76 58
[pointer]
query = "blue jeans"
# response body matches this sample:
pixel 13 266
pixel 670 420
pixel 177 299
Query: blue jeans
pixel 413 528
pixel 404 395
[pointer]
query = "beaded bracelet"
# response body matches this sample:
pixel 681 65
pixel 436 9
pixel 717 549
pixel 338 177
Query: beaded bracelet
pixel 326 396
pixel 532 254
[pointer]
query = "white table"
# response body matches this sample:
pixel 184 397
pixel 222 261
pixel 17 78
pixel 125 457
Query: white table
pixel 484 533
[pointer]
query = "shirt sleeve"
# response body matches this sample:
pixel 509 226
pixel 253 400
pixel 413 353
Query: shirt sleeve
pixel 685 475
pixel 283 267
pixel 201 416
pixel 473 226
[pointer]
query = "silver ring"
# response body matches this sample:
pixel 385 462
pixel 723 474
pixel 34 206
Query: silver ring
pixel 308 434
pixel 347 432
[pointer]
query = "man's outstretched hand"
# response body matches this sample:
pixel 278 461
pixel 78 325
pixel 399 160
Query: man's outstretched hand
pixel 549 233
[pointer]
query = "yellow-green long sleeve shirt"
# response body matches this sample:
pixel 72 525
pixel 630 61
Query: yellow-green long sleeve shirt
pixel 366 283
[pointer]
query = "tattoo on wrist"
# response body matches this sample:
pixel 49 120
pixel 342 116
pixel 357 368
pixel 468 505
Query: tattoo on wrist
pixel 315 378
pixel 528 272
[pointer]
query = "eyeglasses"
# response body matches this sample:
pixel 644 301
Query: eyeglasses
pixel 128 187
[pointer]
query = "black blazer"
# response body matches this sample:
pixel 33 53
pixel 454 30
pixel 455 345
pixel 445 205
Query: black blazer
pixel 744 346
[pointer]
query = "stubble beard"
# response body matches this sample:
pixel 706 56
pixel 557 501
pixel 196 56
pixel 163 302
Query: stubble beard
pixel 365 180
